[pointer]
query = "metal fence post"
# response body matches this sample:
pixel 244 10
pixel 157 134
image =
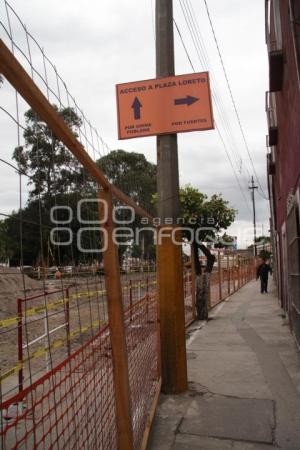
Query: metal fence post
pixel 193 287
pixel 219 275
pixel 67 319
pixel 20 343
pixel 130 300
pixel 238 272
pixel 234 273
pixel 242 272
pixel 147 298
pixel 228 274
pixel 116 326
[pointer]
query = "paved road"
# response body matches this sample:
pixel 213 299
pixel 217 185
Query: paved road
pixel 244 382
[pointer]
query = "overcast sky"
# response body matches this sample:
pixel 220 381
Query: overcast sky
pixel 97 44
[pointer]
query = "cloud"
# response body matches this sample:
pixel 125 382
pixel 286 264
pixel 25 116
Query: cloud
pixel 95 45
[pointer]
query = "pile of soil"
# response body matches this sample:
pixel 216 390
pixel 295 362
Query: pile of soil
pixel 12 278
pixel 11 287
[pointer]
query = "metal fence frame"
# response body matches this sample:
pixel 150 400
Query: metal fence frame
pixel 240 273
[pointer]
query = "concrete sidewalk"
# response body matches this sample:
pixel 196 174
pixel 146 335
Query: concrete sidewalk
pixel 244 382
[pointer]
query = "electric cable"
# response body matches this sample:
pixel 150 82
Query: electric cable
pixel 217 127
pixel 233 100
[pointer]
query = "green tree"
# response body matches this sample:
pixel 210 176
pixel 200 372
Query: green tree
pixel 51 167
pixel 5 244
pixel 263 240
pixel 265 254
pixel 207 218
pixel 27 221
pixel 136 177
pixel 225 240
pixel 204 220
pixel 133 174
pixel 55 178
pixel 36 227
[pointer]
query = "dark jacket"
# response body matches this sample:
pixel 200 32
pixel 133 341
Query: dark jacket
pixel 263 271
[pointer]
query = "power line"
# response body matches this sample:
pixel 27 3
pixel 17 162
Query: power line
pixel 12 118
pixel 195 33
pixel 215 99
pixel 199 45
pixel 232 98
pixel 237 179
pixel 183 44
pixel 190 17
pixel 43 78
pixel 15 168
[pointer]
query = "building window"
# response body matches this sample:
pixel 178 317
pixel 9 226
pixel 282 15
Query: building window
pixel 271 109
pixel 293 237
pixel 276 153
pixel 273 25
pixel 274 43
pixel 295 19
pixel 277 24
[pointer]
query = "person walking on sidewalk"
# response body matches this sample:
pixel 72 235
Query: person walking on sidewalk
pixel 263 273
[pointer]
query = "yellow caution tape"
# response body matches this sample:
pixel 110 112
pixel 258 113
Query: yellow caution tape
pixel 11 372
pixel 50 306
pixel 38 353
pixel 56 344
pixel 7 322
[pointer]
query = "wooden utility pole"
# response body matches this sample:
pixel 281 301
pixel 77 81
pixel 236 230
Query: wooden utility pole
pixel 169 255
pixel 252 188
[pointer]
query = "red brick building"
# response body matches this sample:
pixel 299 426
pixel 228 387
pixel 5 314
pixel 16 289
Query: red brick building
pixel 283 141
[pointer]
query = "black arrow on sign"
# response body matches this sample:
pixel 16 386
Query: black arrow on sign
pixel 188 100
pixel 136 105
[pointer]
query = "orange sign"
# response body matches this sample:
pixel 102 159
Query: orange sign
pixel 164 106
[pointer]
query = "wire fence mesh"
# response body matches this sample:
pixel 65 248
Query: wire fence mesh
pixel 230 273
pixel 57 376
